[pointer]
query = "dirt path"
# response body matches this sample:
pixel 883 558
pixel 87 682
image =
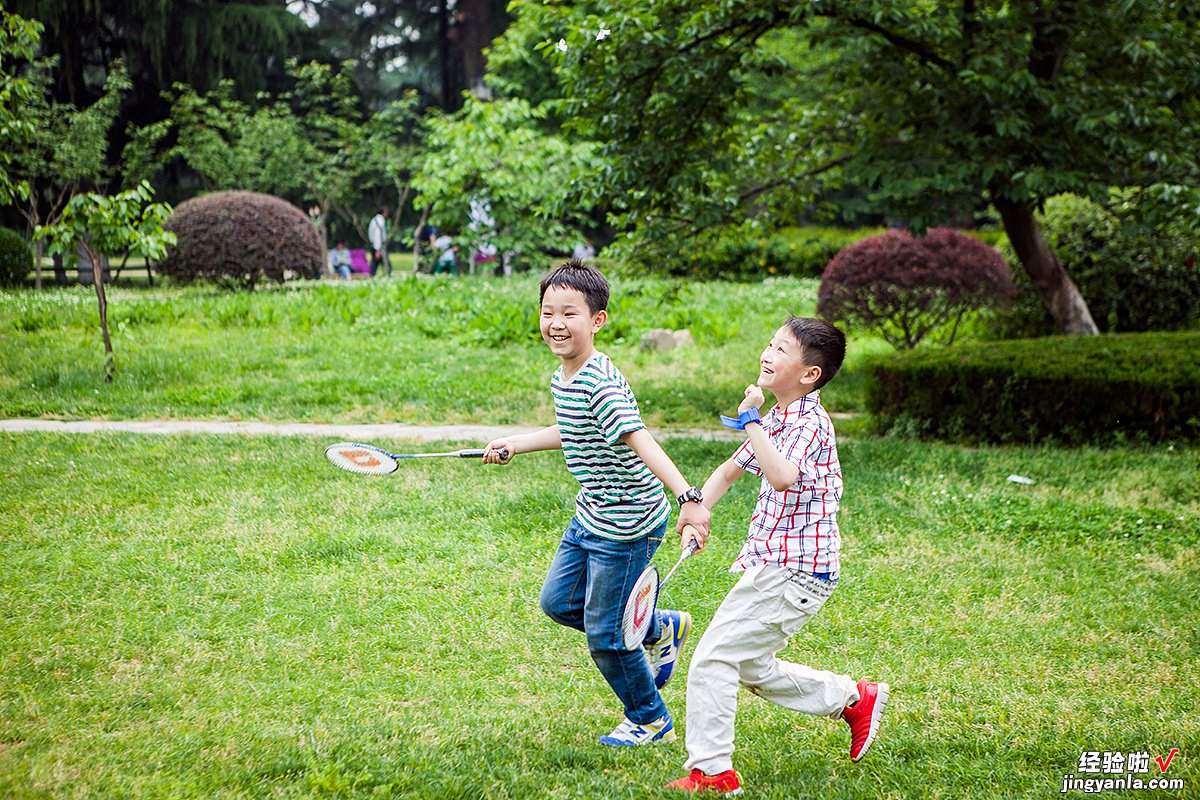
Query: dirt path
pixel 474 433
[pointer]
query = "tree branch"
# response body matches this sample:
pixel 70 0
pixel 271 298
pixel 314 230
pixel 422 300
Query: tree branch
pixel 920 49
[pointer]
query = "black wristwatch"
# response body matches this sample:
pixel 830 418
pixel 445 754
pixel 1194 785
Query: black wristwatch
pixel 692 495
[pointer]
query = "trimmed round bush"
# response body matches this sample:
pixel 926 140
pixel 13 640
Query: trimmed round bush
pixel 16 259
pixel 236 239
pixel 907 288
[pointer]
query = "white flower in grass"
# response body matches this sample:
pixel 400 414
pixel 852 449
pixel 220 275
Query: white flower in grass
pixel 562 45
pixel 603 33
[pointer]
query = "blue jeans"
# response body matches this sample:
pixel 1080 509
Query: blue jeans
pixel 586 589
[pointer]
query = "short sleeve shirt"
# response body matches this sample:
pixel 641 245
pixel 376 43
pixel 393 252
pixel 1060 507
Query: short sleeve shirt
pixel 797 527
pixel 619 497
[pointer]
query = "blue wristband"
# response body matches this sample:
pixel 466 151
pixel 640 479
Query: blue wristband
pixel 743 419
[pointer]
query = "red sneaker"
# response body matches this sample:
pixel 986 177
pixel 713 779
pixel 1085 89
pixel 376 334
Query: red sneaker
pixel 728 782
pixel 864 717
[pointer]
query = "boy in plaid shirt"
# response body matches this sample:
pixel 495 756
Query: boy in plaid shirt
pixel 789 563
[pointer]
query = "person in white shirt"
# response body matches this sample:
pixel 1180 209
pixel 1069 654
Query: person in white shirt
pixel 377 234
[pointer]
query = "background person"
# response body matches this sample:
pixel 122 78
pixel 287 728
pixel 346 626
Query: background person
pixel 377 235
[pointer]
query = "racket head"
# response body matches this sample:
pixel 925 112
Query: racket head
pixel 639 608
pixel 361 458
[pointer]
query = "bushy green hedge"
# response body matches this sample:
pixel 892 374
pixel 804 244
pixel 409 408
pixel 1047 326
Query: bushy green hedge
pixel 1098 389
pixel 798 252
pixel 16 259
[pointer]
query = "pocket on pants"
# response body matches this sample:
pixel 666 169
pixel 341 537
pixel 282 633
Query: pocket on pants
pixel 793 602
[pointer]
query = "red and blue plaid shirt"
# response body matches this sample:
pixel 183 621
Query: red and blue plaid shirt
pixel 797 527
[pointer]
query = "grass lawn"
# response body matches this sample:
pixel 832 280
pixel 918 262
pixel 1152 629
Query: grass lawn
pixel 404 349
pixel 219 617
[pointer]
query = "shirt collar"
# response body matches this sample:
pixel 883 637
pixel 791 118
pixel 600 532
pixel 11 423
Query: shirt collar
pixel 792 414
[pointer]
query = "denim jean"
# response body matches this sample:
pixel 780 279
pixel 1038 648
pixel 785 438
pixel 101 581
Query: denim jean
pixel 586 589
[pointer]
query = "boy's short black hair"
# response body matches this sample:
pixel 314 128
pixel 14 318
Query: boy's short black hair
pixel 583 278
pixel 823 345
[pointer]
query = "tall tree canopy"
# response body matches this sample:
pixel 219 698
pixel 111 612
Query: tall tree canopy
pixel 435 47
pixel 162 43
pixel 717 110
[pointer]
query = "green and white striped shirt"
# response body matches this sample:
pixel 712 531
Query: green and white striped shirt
pixel 619 497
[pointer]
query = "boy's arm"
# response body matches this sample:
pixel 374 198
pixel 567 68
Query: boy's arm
pixel 545 439
pixel 778 471
pixel 648 449
pixel 714 489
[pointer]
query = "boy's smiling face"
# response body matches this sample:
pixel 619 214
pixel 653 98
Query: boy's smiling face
pixel 782 368
pixel 568 326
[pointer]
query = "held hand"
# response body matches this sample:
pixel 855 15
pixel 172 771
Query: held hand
pixel 695 518
pixel 692 536
pixel 498 451
pixel 754 398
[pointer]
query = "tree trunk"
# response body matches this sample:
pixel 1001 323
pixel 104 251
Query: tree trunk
pixel 102 302
pixel 1050 279
pixel 418 243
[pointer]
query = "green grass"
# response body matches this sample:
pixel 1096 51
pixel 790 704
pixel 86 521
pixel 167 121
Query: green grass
pixel 219 617
pixel 406 349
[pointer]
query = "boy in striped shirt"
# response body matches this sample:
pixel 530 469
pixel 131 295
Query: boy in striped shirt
pixel 620 511
pixel 789 563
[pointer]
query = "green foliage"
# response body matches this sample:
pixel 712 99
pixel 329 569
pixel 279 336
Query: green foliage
pixel 494 153
pixel 1112 388
pixel 708 119
pixel 311 142
pixel 126 222
pixel 16 259
pixel 19 40
pixel 1134 275
pixel 745 254
pixel 236 239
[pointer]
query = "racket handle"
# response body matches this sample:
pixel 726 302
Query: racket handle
pixel 479 454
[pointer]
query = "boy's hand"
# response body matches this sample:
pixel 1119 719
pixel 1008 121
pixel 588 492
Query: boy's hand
pixel 498 451
pixel 696 517
pixel 691 534
pixel 754 398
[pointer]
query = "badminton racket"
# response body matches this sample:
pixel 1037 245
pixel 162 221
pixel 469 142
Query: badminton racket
pixel 643 600
pixel 366 459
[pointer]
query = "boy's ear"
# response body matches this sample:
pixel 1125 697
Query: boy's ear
pixel 599 320
pixel 811 375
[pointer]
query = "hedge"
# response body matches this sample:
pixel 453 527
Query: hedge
pixel 1070 390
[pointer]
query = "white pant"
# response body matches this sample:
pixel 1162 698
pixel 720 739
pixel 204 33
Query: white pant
pixel 754 622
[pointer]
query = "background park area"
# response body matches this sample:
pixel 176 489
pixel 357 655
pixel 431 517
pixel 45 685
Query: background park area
pixel 1000 206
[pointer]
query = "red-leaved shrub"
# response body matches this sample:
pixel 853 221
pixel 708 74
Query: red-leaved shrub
pixel 238 238
pixel 906 288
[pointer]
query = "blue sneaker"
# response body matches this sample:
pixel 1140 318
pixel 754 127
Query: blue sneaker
pixel 632 734
pixel 663 654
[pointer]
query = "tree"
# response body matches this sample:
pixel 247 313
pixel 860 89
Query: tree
pixel 437 48
pixel 313 142
pixel 104 225
pixel 493 153
pixel 1013 102
pixel 18 42
pixel 67 148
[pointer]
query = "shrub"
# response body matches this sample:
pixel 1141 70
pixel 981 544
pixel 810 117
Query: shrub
pixel 238 238
pixel 907 288
pixel 16 259
pixel 1073 389
pixel 1133 277
pixel 737 255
